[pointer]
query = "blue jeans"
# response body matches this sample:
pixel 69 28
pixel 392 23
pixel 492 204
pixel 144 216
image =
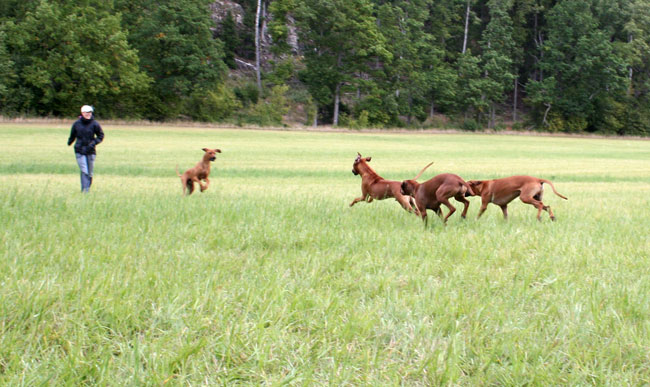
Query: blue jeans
pixel 86 165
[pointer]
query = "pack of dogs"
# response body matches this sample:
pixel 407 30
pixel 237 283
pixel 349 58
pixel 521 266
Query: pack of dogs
pixel 413 196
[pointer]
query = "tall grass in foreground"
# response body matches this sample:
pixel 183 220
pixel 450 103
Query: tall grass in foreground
pixel 269 277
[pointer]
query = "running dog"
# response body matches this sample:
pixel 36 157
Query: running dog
pixel 199 172
pixel 436 191
pixel 374 186
pixel 502 191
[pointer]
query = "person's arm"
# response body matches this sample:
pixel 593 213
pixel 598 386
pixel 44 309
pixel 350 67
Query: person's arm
pixel 99 133
pixel 73 135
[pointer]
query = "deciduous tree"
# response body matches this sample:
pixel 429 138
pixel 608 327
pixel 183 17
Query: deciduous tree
pixel 497 57
pixel 177 51
pixel 66 55
pixel 340 39
pixel 580 66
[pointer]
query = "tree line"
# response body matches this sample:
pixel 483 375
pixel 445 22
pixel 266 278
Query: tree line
pixel 568 65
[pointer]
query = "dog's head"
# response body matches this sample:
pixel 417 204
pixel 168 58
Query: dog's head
pixel 409 187
pixel 357 161
pixel 211 153
pixel 476 188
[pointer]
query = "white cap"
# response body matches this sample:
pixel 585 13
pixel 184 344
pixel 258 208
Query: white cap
pixel 86 109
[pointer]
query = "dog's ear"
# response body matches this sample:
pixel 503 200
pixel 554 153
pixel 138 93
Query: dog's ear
pixel 368 159
pixel 218 150
pixel 204 149
pixel 475 186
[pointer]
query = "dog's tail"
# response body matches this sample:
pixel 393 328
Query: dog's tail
pixel 553 187
pixel 422 171
pixel 178 173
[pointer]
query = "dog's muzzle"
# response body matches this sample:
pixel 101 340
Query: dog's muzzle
pixel 355 172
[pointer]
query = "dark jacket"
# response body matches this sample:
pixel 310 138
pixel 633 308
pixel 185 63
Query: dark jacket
pixel 88 133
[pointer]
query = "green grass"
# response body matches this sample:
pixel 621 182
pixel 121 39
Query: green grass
pixel 270 278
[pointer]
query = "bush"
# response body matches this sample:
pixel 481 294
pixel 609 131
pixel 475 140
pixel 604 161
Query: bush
pixel 558 123
pixel 352 123
pixel 471 125
pixel 281 72
pixel 636 121
pixel 269 111
pixel 212 106
pixel 519 125
pixel 376 111
pixel 248 93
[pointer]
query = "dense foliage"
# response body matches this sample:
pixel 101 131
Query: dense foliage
pixel 571 66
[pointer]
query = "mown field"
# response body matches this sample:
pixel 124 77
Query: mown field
pixel 270 278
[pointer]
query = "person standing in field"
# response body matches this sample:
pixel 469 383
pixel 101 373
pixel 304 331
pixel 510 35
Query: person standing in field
pixel 88 133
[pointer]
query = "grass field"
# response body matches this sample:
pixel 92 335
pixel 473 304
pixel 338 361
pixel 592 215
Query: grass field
pixel 270 278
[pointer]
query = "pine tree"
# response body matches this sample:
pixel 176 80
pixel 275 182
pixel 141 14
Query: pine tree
pixel 230 38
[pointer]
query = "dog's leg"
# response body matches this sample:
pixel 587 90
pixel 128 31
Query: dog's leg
pixel 484 203
pixel 184 183
pixel 359 199
pixel 401 199
pixel 418 211
pixel 504 209
pixel 192 181
pixel 190 186
pixel 452 209
pixel 443 194
pixel 546 208
pixel 204 187
pixel 461 198
pixel 422 212
pixel 527 198
pixel 355 201
pixel 413 206
pixel 550 212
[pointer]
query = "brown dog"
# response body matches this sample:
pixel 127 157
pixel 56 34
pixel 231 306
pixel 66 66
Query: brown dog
pixel 374 186
pixel 436 191
pixel 503 191
pixel 199 172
